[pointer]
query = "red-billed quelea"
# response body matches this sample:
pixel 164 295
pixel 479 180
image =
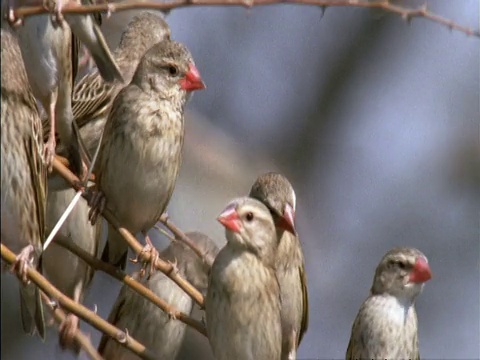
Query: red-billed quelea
pixel 93 96
pixel 243 298
pixel 141 148
pixel 277 194
pixel 386 326
pixel 24 177
pixel 49 52
pixel 146 322
pixel 77 230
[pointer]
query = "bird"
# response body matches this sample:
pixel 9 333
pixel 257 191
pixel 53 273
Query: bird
pixel 140 153
pixel 386 326
pixel 147 323
pixel 243 302
pixel 24 178
pixel 277 194
pixel 76 229
pixel 93 97
pixel 49 52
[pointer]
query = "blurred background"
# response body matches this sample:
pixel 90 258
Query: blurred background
pixel 376 124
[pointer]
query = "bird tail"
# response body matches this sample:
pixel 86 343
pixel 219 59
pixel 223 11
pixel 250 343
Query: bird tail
pixel 116 249
pixel 92 37
pixel 31 309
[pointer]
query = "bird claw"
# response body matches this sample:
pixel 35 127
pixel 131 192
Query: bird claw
pixel 55 8
pixel 154 255
pixel 22 261
pixel 67 331
pixel 97 202
pixel 171 315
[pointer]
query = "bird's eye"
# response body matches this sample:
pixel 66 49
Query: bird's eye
pixel 401 265
pixel 173 70
pixel 249 216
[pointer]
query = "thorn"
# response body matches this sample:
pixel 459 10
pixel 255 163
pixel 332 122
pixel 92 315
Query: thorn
pixel 323 9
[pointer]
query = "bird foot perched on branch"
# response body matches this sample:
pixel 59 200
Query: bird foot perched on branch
pixel 11 5
pixel 67 331
pixel 23 260
pixel 154 255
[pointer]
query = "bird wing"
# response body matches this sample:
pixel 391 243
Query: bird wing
pixel 304 324
pixel 90 96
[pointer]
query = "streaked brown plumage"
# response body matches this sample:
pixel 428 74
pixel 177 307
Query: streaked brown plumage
pixel 145 321
pixel 386 326
pixel 140 153
pixel 243 299
pixel 50 55
pixel 276 192
pixel 93 96
pixel 23 177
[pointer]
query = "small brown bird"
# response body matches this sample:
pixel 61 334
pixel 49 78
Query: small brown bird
pixel 24 178
pixel 93 96
pixel 50 56
pixel 386 326
pixel 76 229
pixel 141 149
pixel 243 298
pixel 277 194
pixel 145 321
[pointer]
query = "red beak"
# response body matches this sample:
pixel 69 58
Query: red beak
pixel 421 271
pixel 192 80
pixel 287 221
pixel 230 219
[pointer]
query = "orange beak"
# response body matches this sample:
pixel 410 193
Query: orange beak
pixel 421 271
pixel 230 219
pixel 192 80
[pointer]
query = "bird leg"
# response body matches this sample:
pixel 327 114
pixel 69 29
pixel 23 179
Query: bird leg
pixel 148 248
pixel 23 260
pixel 97 203
pixel 69 326
pixel 11 6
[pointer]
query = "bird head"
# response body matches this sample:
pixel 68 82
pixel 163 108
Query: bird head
pixel 249 225
pixel 402 272
pixel 276 192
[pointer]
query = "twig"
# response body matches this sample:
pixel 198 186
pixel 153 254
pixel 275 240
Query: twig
pixel 406 13
pixel 81 311
pixel 132 283
pixel 165 267
pixel 180 235
pixel 81 339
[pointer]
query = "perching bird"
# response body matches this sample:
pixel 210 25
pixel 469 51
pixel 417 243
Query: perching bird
pixel 243 298
pixel 277 194
pixel 145 321
pixel 67 272
pixel 386 326
pixel 93 96
pixel 49 52
pixel 141 148
pixel 24 178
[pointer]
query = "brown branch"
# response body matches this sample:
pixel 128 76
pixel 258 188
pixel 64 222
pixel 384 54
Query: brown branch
pixel 180 235
pixel 81 311
pixel 80 338
pixel 406 13
pixel 165 267
pixel 132 283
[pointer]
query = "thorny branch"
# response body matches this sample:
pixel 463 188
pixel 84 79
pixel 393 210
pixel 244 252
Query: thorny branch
pixel 80 310
pixel 406 13
pixel 165 267
pixel 80 338
pixel 180 235
pixel 133 284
